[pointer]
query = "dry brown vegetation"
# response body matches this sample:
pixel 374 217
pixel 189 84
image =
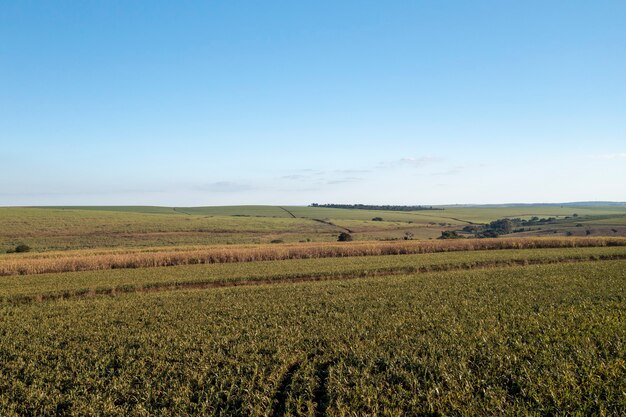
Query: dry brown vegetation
pixel 83 260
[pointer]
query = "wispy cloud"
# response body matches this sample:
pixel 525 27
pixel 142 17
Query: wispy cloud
pixel 411 162
pixel 344 180
pixel 618 155
pixel 225 187
pixel 295 177
pixel 457 170
pixel 350 175
pixel 352 171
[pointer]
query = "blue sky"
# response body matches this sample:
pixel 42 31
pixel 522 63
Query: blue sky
pixel 284 102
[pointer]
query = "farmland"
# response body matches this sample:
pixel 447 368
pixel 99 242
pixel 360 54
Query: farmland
pixel 542 339
pixel 136 311
pixel 63 228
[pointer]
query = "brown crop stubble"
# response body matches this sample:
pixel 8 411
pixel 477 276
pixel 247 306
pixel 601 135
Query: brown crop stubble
pixel 81 260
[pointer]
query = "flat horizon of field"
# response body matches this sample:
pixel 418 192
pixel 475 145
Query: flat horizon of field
pixel 147 207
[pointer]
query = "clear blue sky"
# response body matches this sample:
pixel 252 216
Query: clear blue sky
pixel 291 102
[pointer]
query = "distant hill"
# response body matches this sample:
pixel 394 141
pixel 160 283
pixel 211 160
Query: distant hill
pixel 568 204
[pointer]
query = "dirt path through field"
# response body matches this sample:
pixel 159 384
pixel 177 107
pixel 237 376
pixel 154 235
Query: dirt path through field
pixel 290 213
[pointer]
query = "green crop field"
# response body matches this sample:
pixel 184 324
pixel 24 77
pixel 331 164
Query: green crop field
pixel 67 285
pixel 231 311
pixel 521 340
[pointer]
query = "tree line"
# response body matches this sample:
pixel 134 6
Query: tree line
pixel 375 207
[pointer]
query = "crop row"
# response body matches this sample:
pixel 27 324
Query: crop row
pixel 539 340
pixel 88 283
pixel 71 261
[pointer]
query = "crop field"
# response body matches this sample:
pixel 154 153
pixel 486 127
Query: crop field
pixel 84 260
pixel 89 283
pixel 259 311
pixel 540 339
pixel 63 228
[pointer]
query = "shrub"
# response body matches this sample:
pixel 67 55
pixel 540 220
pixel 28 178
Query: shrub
pixel 278 241
pixel 488 234
pixel 450 234
pixel 344 237
pixel 22 248
pixel 377 219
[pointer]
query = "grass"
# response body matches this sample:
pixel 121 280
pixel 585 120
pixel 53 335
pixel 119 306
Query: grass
pixel 535 340
pixel 60 229
pixel 63 228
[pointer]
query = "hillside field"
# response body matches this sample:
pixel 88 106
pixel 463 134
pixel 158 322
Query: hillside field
pixel 153 311
pixel 62 228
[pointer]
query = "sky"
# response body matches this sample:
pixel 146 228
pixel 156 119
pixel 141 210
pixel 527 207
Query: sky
pixel 192 103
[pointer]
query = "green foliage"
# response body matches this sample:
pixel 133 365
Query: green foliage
pixel 24 288
pixel 344 237
pixel 376 207
pixel 536 340
pixel 450 234
pixel 22 248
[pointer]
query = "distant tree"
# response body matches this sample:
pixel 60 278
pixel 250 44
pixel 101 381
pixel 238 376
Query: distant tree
pixel 408 235
pixel 587 232
pixel 575 214
pixel 488 233
pixel 450 234
pixel 277 241
pixel 344 237
pixel 568 233
pixel 377 219
pixel 501 226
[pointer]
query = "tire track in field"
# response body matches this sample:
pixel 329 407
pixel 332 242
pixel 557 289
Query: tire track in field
pixel 282 392
pixel 321 394
pixel 332 224
pixel 445 217
pixel 296 279
pixel 290 213
pixel 180 211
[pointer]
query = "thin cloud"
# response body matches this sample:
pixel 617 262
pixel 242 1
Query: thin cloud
pixel 410 162
pixel 352 171
pixel 618 155
pixel 344 180
pixel 225 187
pixel 457 170
pixel 294 177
